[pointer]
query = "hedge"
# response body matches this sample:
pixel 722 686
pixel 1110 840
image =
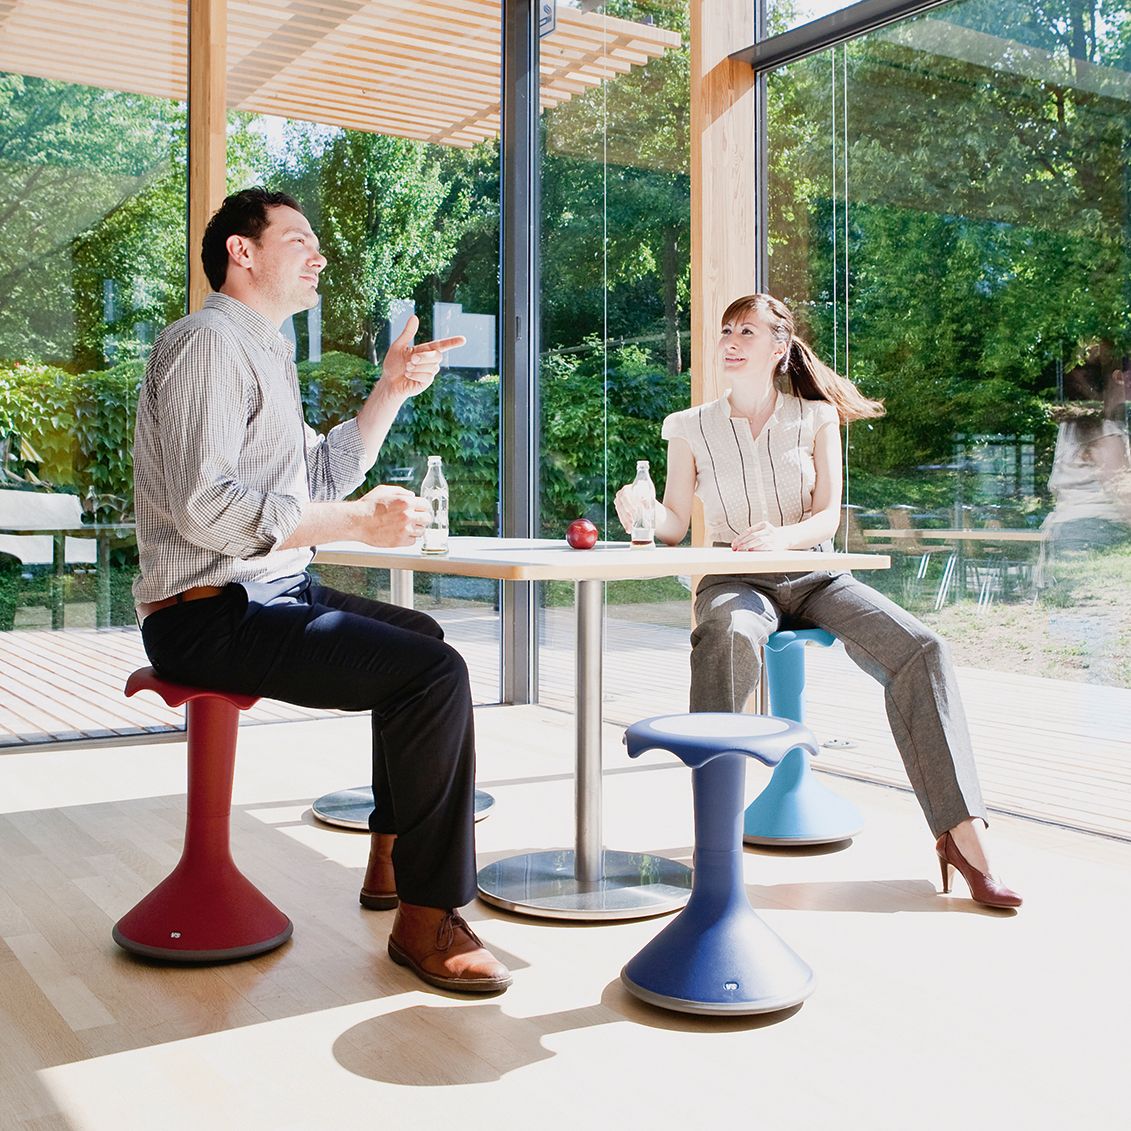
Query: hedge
pixel 594 426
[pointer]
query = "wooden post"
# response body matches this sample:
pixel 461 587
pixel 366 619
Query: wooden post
pixel 207 153
pixel 723 206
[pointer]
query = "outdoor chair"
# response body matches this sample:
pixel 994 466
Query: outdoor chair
pixel 851 537
pixel 902 517
pixel 29 555
pixel 205 910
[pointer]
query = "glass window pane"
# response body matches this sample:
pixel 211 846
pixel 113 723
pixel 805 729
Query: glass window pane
pixel 781 15
pixel 949 218
pixel 92 206
pixel 615 321
pixel 389 141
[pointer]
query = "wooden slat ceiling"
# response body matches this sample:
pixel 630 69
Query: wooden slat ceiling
pixel 424 70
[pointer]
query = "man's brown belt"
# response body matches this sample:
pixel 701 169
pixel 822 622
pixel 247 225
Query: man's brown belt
pixel 197 593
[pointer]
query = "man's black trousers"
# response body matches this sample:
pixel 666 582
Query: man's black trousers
pixel 303 643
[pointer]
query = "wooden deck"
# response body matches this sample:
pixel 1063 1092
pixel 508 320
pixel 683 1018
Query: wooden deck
pixel 1050 750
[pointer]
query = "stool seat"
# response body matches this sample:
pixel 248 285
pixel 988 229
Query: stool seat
pixel 784 637
pixel 205 910
pixel 697 738
pixel 178 694
pixel 795 808
pixel 718 956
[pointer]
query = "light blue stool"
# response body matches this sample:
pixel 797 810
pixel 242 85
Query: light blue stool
pixel 795 808
pixel 717 956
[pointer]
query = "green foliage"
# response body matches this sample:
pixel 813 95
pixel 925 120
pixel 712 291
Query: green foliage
pixel 37 406
pixel 384 218
pixel 105 408
pixel 596 423
pixel 616 209
pixel 80 426
pixel 457 419
pixel 470 216
pixel 72 158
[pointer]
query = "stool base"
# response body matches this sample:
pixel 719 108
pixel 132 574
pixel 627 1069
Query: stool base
pixel 796 809
pixel 734 965
pixel 350 808
pixel 635 885
pixel 214 918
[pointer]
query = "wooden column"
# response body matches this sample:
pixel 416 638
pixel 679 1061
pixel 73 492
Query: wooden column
pixel 723 208
pixel 723 176
pixel 207 153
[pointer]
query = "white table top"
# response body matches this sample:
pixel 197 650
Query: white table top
pixel 549 559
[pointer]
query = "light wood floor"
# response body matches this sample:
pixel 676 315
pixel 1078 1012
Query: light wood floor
pixel 928 1013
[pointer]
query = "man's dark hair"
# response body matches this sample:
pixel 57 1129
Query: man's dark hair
pixel 244 213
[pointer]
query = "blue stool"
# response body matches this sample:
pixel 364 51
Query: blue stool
pixel 795 808
pixel 717 956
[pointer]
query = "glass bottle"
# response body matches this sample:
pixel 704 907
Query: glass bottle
pixel 434 491
pixel 644 508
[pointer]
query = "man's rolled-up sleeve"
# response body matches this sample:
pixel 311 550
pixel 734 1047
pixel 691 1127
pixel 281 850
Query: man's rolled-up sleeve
pixel 336 463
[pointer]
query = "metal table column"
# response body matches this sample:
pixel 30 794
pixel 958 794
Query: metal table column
pixel 587 882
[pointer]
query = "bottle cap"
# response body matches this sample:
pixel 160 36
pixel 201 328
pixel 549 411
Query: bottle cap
pixel 433 459
pixel 641 463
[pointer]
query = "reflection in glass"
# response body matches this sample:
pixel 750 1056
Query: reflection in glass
pixel 781 15
pixel 949 215
pixel 615 324
pixel 92 201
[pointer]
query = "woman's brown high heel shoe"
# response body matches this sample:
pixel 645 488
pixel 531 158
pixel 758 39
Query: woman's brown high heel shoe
pixel 984 889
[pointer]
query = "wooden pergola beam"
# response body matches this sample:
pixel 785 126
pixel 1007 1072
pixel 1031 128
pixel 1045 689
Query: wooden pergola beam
pixel 361 65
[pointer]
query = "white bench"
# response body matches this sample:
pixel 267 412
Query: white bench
pixel 47 511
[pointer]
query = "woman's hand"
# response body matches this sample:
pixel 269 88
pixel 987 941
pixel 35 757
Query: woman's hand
pixel 625 502
pixel 762 536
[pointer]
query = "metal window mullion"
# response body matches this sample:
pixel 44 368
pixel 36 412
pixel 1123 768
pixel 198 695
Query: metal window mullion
pixel 518 333
pixel 767 53
pixel 761 185
pixel 761 165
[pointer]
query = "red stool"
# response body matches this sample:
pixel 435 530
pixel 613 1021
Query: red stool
pixel 205 910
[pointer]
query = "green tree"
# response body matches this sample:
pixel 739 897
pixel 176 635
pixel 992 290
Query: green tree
pixel 616 200
pixel 69 156
pixel 987 214
pixel 378 205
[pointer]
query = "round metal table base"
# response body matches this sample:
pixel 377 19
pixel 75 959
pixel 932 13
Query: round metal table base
pixel 543 884
pixel 350 808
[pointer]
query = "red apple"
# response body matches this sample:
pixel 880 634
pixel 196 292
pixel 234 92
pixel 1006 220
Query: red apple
pixel 581 534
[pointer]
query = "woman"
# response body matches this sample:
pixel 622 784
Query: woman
pixel 765 460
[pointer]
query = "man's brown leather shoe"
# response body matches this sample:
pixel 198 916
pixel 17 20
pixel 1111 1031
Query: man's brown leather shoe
pixel 379 888
pixel 441 949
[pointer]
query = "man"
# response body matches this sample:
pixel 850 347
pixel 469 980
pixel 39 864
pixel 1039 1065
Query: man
pixel 232 489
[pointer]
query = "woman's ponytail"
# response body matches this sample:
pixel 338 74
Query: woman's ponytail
pixel 812 380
